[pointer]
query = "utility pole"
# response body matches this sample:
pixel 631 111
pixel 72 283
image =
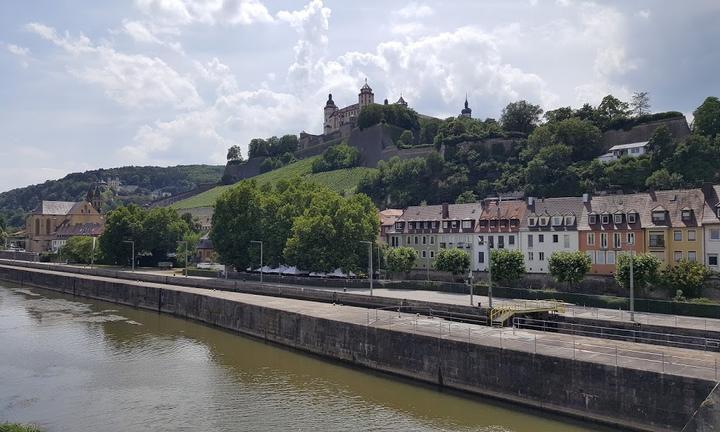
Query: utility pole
pixel 186 256
pixel 370 264
pixel 470 282
pixel 92 254
pixel 261 258
pixel 132 242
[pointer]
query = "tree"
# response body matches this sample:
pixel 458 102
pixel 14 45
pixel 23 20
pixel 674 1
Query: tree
pixel 660 147
pixel 258 147
pixel 77 250
pixel 192 222
pixel 467 197
pixel 686 276
pixel 234 154
pixel 122 224
pixel 162 228
pixel 640 104
pixel 401 259
pixel 559 114
pixel 406 139
pixel 507 265
pixel 453 260
pixel 697 158
pixel 569 267
pixel 337 157
pixel 236 221
pixel 520 116
pixel 663 180
pixel 707 118
pixel 610 109
pixel 192 239
pixel 645 270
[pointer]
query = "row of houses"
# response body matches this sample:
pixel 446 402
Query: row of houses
pixel 672 225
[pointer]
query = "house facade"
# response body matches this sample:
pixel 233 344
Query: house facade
pixel 43 224
pixel 498 228
pixel 711 226
pixel 673 225
pixel 427 229
pixel 549 226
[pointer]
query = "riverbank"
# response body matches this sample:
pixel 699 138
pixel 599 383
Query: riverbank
pixel 578 382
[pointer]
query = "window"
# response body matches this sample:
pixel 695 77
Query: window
pixel 543 220
pixel 530 240
pixel 454 224
pixel 530 256
pixel 591 239
pixel 658 217
pixel 591 254
pixel 432 254
pixel 407 240
pixel 717 212
pixel 37 227
pixel 686 214
pixel 481 257
pixel 713 260
pixel 631 218
pixel 466 224
pixel 691 235
pixel 531 221
pixel 424 240
pixel 424 253
pixel 399 226
pixel 445 225
pixel 657 239
pixel 592 219
pixel 605 219
pixel 556 238
pixel 491 241
pixel 603 240
pixel 677 256
pixel 393 241
pixel 610 257
pixel 511 240
pixel 631 238
pixel 635 150
pixel 617 240
pixel 501 242
pixel 692 256
pixel 47 226
pixel 557 220
pixel 618 218
pixel 600 257
pixel 541 256
pixel 481 239
pixel 541 238
pixel 416 239
pixel 715 234
pixel 569 220
pixel 566 241
pixel 432 240
pixel 677 235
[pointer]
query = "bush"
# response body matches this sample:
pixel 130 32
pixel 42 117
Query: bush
pixel 688 277
pixel 507 266
pixel 630 122
pixel 78 250
pixel 406 139
pixel 455 261
pixel 337 157
pixel 401 259
pixel 645 270
pixel 569 267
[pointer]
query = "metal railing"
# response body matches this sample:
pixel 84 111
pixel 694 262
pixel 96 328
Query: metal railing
pixel 646 318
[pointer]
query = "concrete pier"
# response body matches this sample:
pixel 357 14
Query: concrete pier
pixel 629 385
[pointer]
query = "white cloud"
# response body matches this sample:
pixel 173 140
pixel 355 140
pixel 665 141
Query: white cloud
pixel 133 80
pixel 415 10
pixel 21 52
pixel 644 14
pixel 211 12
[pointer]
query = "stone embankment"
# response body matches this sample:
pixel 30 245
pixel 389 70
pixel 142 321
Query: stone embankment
pixel 628 394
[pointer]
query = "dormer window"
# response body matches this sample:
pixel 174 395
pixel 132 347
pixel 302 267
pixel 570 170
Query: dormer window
pixel 632 218
pixel 686 214
pixel 557 220
pixel 592 219
pixel 399 226
pixel 658 216
pixel 532 221
pixel 543 220
pixel 569 220
pixel 618 218
pixel 605 219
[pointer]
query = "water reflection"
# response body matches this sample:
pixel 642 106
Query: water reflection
pixel 72 364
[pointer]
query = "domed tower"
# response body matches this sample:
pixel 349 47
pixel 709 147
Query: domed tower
pixel 466 112
pixel 366 96
pixel 329 109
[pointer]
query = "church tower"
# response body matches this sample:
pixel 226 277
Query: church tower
pixel 94 197
pixel 329 109
pixel 366 96
pixel 466 112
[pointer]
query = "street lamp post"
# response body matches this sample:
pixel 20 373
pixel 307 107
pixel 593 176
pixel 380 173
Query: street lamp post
pixel 186 255
pixel 470 282
pixel 379 257
pixel 370 264
pixel 490 283
pixel 92 254
pixel 632 286
pixel 132 242
pixel 261 258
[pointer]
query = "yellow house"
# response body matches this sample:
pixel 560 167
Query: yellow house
pixel 673 227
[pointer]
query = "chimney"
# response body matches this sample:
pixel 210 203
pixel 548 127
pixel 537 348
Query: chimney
pixel 445 211
pixel 586 198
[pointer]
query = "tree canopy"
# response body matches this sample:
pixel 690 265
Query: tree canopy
pixel 401 259
pixel 337 157
pixel 706 118
pixel 520 116
pixel 569 267
pixel 506 265
pixel 452 260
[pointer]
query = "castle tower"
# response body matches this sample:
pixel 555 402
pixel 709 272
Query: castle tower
pixel 366 96
pixel 466 112
pixel 329 109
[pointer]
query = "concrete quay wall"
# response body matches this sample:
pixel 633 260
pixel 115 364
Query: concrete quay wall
pixel 624 397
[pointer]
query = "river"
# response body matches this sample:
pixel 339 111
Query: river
pixel 73 364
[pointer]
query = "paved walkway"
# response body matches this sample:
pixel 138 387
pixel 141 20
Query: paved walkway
pixel 669 360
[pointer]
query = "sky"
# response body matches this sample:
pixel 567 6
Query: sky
pixel 87 84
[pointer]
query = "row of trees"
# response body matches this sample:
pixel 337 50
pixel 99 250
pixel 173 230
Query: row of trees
pixel 273 146
pixel 507 266
pixel 300 223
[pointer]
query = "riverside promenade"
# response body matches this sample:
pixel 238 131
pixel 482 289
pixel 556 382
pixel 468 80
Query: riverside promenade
pixel 635 386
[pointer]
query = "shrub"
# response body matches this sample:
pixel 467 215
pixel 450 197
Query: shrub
pixel 455 261
pixel 401 259
pixel 337 157
pixel 569 267
pixel 507 266
pixel 645 270
pixel 686 277
pixel 78 250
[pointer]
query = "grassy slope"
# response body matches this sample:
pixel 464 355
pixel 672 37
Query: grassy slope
pixel 344 181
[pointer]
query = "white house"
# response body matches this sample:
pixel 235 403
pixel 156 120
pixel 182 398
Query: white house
pixel 632 149
pixel 498 228
pixel 549 226
pixel 711 226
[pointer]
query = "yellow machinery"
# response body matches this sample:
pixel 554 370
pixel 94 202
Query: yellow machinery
pixel 500 315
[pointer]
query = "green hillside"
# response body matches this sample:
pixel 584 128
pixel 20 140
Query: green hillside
pixel 344 181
